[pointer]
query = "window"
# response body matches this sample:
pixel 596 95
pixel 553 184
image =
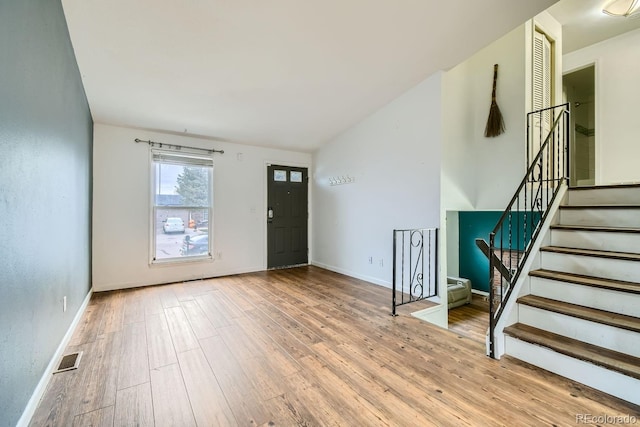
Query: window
pixel 182 188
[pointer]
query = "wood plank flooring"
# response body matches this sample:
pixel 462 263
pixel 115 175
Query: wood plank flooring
pixel 298 347
pixel 471 320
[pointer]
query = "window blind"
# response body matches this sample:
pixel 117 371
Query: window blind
pixel 183 159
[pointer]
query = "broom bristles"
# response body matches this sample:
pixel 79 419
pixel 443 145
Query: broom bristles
pixel 495 122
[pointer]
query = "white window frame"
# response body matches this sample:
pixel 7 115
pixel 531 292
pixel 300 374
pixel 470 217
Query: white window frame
pixel 188 158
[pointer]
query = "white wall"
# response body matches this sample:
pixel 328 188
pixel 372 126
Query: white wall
pixel 617 67
pixel 478 172
pixel 394 155
pixel 121 208
pixel 482 173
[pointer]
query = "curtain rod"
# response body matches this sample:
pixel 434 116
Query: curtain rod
pixel 178 147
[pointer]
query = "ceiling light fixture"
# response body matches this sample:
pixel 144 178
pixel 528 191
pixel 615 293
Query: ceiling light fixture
pixel 621 8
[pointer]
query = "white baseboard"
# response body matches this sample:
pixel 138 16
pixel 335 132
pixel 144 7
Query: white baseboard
pixel 477 292
pixel 349 273
pixel 106 287
pixel 32 405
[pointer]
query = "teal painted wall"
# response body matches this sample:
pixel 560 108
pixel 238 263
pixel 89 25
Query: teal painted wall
pixel 45 194
pixel 473 264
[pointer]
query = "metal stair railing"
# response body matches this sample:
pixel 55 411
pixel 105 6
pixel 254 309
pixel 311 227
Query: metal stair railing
pixel 511 239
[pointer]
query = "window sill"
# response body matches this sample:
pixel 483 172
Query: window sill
pixel 172 262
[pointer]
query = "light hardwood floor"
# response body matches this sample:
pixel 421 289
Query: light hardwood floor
pixel 298 347
pixel 471 320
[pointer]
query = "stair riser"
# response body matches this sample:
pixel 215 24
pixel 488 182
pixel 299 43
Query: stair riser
pixel 604 196
pixel 610 382
pixel 628 217
pixel 605 268
pixel 620 340
pixel 587 296
pixel 606 241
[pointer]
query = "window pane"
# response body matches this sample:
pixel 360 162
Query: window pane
pixel 182 196
pixel 181 232
pixel 180 185
pixel 296 176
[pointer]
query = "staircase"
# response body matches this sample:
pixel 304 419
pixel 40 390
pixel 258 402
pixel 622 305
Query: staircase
pixel 578 312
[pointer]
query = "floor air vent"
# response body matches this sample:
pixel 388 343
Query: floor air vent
pixel 69 362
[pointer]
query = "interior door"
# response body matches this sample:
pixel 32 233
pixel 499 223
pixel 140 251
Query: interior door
pixel 287 216
pixel 542 80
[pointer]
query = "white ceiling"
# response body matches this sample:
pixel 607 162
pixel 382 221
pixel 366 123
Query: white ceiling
pixel 584 24
pixel 281 73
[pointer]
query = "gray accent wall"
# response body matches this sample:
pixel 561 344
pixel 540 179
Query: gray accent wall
pixel 45 194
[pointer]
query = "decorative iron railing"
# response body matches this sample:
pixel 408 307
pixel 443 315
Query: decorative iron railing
pixel 511 240
pixel 415 265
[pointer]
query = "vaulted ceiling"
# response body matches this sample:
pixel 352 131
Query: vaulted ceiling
pixel 281 73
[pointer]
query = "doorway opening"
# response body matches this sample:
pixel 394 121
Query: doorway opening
pixel 579 88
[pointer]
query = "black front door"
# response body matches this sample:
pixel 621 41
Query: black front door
pixel 286 216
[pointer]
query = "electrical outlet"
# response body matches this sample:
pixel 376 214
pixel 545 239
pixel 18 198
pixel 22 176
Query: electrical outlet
pixel 219 255
pixel 64 304
pixel 381 262
pixel 370 260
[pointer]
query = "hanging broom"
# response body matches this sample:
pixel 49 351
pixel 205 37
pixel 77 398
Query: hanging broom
pixel 495 123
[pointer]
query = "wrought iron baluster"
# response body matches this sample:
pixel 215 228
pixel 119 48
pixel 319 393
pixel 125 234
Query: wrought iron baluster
pixel 432 260
pixel 402 291
pixel 409 250
pixel 418 271
pixel 510 241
